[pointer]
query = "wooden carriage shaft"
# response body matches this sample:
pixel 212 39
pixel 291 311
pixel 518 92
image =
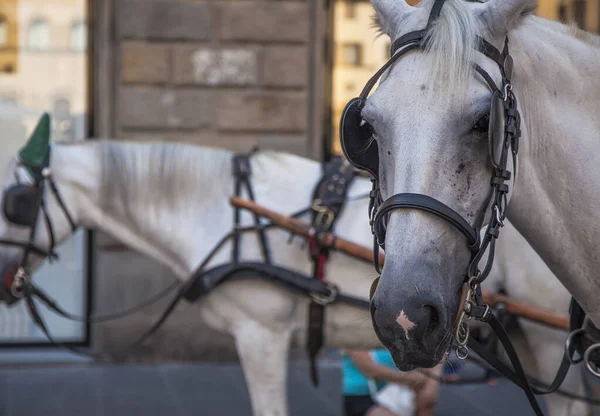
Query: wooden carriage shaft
pixel 365 253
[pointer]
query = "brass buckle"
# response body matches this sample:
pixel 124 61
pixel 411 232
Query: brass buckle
pixel 20 281
pixel 324 217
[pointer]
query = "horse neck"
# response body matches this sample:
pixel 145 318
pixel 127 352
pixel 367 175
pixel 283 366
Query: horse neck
pixel 166 201
pixel 179 208
pixel 555 200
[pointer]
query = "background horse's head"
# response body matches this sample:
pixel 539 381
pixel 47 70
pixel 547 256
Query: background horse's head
pixel 29 224
pixel 429 117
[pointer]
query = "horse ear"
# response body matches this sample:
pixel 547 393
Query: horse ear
pixel 34 153
pixel 502 15
pixel 388 12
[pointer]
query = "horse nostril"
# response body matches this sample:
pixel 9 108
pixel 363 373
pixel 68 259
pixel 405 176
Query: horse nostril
pixel 434 318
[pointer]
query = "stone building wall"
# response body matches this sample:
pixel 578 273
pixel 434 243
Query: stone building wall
pixel 231 74
pixel 226 73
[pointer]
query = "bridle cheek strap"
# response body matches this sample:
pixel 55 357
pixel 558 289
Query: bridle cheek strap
pixel 427 204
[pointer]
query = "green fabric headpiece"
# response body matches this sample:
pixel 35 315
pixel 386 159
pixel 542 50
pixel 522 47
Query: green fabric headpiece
pixel 34 153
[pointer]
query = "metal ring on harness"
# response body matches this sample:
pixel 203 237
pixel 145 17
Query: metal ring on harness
pixel 461 332
pixel 569 343
pixel 586 358
pixel 324 300
pixel 462 352
pixel 17 288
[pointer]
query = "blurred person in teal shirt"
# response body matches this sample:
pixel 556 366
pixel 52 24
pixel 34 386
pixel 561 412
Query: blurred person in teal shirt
pixel 367 373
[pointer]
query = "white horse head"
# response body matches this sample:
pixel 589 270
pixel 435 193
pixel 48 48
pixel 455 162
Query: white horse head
pixel 429 117
pixel 24 229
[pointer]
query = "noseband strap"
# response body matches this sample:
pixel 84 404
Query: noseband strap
pixel 427 204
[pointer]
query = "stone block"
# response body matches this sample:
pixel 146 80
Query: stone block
pixel 285 66
pixel 283 21
pixel 202 65
pixel 264 111
pixel 165 20
pixel 143 62
pixel 150 107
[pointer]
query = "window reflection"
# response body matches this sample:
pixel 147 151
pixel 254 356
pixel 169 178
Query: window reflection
pixel 38 35
pixel 43 68
pixel 358 53
pixel 78 38
pixel 3 31
pixel 352 54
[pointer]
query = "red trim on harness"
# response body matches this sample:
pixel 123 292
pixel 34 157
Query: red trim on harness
pixel 321 269
pixel 317 256
pixel 9 276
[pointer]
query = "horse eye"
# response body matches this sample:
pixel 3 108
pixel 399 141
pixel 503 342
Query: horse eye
pixel 482 124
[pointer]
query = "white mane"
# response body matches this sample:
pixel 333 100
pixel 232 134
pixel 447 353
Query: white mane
pixel 159 175
pixel 163 177
pixel 451 46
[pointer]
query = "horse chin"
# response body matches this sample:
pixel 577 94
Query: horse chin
pixel 412 361
pixel 408 360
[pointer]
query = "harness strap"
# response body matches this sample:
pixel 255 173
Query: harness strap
pixel 336 179
pixel 30 291
pixel 28 246
pixel 242 171
pixel 427 204
pixel 61 203
pixel 518 376
pixel 490 51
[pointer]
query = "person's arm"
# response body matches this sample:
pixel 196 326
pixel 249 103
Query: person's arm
pixel 364 362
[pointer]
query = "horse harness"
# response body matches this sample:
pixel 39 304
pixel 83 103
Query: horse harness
pixel 22 204
pixel 328 201
pixel 503 137
pixel 328 198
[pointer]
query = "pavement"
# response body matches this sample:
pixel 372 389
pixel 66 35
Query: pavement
pixel 208 389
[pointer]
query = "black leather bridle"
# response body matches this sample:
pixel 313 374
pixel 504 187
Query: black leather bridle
pixel 501 147
pixel 19 280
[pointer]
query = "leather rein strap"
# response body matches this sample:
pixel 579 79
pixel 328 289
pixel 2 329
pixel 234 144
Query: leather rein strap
pixel 328 199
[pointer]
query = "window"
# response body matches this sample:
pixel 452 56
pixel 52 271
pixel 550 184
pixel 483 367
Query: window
pixel 350 9
pixel 352 54
pixel 38 35
pixel 562 12
pixel 579 13
pixel 3 31
pixel 78 39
